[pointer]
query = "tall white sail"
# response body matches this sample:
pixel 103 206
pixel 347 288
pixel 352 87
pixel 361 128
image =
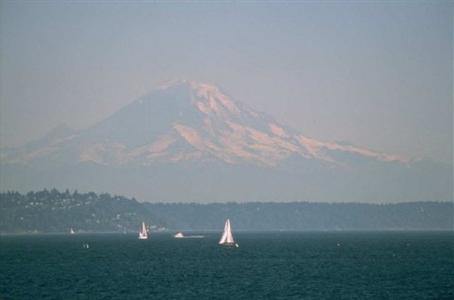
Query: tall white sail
pixel 227 238
pixel 143 235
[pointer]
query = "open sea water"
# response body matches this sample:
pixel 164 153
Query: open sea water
pixel 305 265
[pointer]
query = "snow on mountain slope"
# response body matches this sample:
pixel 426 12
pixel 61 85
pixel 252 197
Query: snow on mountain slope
pixel 189 141
pixel 187 120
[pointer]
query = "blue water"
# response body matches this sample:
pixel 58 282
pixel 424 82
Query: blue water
pixel 393 265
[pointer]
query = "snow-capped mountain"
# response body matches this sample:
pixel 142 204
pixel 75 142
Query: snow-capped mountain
pixel 186 121
pixel 190 141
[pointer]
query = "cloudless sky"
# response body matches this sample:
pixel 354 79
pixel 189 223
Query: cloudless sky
pixel 377 74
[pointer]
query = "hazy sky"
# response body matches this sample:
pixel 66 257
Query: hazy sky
pixel 375 74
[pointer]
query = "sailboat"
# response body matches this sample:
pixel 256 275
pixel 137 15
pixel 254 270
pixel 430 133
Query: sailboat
pixel 227 237
pixel 143 235
pixel 71 231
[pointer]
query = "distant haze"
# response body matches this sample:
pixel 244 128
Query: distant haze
pixel 191 142
pixel 374 74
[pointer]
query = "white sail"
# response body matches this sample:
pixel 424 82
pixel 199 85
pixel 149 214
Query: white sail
pixel 227 238
pixel 71 231
pixel 143 235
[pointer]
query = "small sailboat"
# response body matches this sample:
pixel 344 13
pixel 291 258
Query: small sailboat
pixel 179 235
pixel 227 237
pixel 71 231
pixel 143 235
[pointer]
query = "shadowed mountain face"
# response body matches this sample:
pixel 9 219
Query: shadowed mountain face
pixel 189 141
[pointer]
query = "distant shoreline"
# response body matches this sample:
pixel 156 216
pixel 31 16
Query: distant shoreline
pixel 52 211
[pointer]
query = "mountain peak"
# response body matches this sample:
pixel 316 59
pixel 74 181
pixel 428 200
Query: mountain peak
pixel 192 120
pixel 193 136
pixel 207 98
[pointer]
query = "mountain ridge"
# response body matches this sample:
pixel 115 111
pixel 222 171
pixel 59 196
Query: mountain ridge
pixel 193 137
pixel 240 130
